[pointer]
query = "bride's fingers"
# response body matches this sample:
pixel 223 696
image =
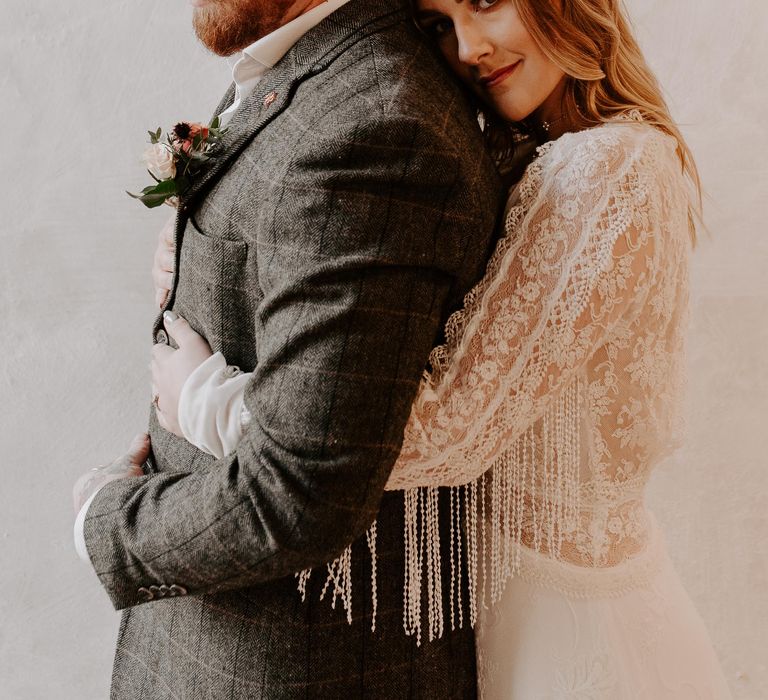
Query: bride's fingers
pixel 166 260
pixel 166 238
pixel 162 279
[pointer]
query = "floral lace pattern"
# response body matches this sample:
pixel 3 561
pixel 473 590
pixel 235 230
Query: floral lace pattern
pixel 590 283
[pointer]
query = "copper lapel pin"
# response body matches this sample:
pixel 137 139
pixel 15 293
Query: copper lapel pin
pixel 270 98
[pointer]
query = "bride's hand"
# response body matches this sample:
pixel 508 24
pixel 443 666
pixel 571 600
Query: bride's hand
pixel 164 262
pixel 171 368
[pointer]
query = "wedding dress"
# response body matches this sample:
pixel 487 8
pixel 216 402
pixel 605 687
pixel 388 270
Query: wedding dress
pixel 557 392
pixel 564 373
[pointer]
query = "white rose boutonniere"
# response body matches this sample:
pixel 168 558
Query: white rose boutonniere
pixel 159 161
pixel 174 161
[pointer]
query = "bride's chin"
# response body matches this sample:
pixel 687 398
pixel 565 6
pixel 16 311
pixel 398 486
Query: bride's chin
pixel 510 112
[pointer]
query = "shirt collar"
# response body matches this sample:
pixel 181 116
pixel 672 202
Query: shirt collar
pixel 255 60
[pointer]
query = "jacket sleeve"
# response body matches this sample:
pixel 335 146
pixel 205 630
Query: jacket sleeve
pixel 379 217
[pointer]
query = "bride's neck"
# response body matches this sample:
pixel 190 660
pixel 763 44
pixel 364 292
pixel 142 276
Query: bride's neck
pixel 550 119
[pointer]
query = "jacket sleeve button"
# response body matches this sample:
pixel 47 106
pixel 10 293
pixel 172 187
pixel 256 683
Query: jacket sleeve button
pixel 145 593
pixel 178 590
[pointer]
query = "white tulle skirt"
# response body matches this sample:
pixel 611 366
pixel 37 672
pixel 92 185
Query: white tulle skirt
pixel 629 632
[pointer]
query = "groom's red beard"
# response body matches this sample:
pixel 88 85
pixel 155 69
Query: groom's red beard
pixel 228 26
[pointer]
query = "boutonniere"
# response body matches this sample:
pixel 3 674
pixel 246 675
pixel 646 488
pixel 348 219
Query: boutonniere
pixel 174 161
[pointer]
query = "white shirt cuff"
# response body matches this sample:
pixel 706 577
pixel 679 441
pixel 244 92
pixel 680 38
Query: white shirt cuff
pixel 82 551
pixel 211 408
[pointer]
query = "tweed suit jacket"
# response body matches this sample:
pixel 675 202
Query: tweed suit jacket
pixel 351 210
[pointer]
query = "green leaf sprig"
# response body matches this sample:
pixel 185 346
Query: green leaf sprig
pixel 177 159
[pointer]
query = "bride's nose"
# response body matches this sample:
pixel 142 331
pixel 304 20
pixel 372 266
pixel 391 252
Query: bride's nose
pixel 472 43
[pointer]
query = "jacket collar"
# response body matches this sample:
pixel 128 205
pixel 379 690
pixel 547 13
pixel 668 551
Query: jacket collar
pixel 312 54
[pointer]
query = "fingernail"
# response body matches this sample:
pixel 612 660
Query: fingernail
pixel 170 316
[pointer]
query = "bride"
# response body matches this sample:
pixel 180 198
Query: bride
pixel 559 386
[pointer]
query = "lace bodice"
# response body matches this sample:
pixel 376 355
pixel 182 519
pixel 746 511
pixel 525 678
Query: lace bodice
pixel 569 352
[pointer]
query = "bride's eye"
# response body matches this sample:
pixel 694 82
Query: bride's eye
pixel 437 29
pixel 485 4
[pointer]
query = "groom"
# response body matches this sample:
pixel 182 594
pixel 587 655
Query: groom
pixel 351 210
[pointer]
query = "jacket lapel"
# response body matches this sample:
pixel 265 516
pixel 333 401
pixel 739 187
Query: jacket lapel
pixel 226 101
pixel 253 115
pixel 310 55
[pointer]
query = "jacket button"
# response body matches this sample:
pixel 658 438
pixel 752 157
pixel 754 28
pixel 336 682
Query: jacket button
pixel 162 337
pixel 145 593
pixel 178 590
pixel 164 590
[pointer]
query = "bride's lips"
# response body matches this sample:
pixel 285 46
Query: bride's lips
pixel 499 76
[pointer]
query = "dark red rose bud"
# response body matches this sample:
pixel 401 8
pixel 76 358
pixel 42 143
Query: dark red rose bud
pixel 182 131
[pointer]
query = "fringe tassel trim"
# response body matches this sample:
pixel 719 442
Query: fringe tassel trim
pixel 530 491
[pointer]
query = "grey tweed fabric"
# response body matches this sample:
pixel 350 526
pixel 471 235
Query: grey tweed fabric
pixel 353 208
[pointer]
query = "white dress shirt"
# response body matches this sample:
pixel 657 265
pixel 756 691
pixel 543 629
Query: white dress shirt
pixel 254 61
pixel 211 410
pixel 247 70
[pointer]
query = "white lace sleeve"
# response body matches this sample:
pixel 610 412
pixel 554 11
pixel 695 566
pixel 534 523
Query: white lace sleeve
pixel 580 254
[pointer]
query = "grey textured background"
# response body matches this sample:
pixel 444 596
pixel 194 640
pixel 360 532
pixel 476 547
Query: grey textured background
pixel 76 306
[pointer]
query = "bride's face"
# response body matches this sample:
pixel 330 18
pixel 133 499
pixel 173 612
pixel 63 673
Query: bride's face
pixel 487 45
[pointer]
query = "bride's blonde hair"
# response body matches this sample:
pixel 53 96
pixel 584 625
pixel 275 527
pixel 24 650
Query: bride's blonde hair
pixel 591 41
